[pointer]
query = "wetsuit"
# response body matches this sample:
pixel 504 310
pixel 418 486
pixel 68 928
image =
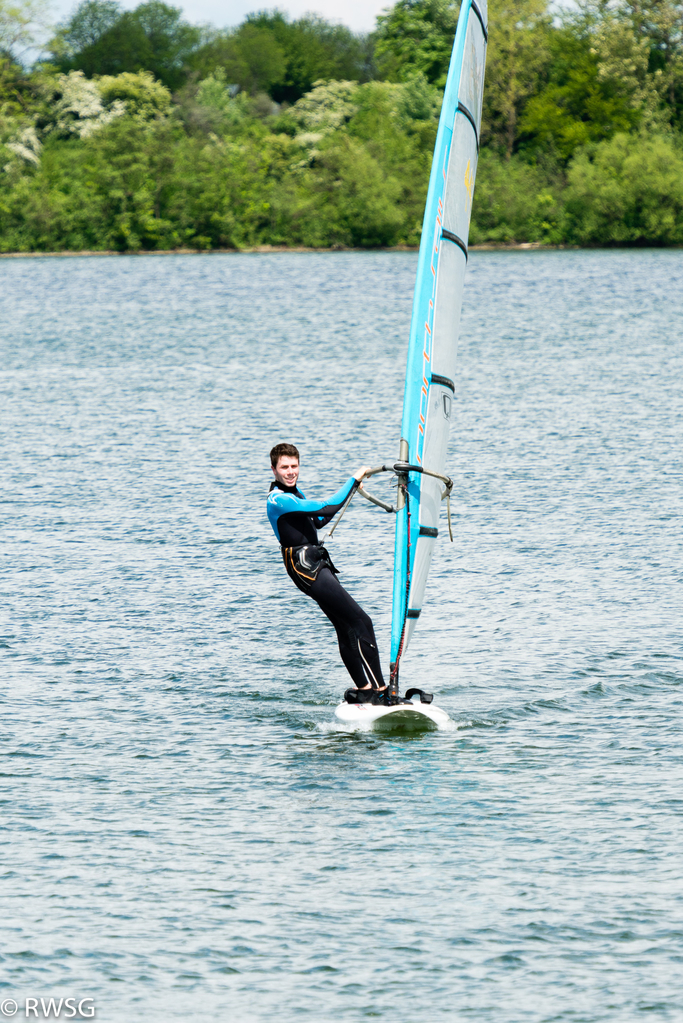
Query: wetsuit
pixel 295 522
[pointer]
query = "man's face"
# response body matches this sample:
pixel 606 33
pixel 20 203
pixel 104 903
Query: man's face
pixel 286 471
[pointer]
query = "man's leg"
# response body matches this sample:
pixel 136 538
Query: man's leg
pixel 356 636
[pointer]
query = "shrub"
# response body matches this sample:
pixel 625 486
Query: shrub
pixel 626 191
pixel 515 202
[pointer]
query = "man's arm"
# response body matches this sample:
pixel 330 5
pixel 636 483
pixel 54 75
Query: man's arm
pixel 285 503
pixel 321 512
pixel 328 511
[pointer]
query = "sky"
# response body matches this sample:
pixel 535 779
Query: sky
pixel 358 15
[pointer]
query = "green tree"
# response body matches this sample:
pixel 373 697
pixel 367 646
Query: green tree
pixel 153 38
pixel 631 28
pixel 88 23
pixel 314 50
pixel 661 23
pixel 15 88
pixel 416 36
pixel 250 58
pixel 516 59
pixel 263 59
pixel 22 24
pixel 578 103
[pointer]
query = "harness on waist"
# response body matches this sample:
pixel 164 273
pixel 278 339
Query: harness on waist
pixel 304 563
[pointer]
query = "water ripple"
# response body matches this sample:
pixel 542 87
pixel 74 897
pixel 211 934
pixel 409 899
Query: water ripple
pixel 187 833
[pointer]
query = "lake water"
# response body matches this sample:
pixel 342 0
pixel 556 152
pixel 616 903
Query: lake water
pixel 185 833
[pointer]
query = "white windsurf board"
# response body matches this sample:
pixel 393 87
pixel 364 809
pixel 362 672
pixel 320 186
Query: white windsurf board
pixel 403 716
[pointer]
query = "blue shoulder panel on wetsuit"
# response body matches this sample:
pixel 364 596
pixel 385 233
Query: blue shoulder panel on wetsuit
pixel 279 503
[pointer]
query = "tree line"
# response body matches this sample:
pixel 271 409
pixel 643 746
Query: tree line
pixel 137 130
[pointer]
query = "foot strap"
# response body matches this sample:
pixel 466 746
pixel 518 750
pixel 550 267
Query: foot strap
pixel 359 695
pixel 424 697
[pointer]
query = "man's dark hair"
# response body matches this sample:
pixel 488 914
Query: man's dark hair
pixel 283 451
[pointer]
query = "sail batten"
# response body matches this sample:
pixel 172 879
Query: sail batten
pixel 430 373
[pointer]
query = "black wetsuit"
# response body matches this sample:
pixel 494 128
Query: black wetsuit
pixel 295 521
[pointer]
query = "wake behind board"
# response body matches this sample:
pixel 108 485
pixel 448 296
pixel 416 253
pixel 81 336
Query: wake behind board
pixel 402 717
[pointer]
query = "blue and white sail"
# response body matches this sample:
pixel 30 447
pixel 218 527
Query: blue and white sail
pixel 435 324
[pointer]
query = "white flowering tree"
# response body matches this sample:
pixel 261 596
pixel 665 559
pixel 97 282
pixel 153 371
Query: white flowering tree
pixel 141 94
pixel 324 110
pixel 26 145
pixel 78 107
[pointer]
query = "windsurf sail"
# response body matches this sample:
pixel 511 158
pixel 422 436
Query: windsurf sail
pixel 434 329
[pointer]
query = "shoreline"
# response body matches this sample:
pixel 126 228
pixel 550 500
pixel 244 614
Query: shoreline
pixel 264 249
pixel 277 249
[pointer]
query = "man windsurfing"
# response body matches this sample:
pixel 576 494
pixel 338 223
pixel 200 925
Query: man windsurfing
pixel 295 521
